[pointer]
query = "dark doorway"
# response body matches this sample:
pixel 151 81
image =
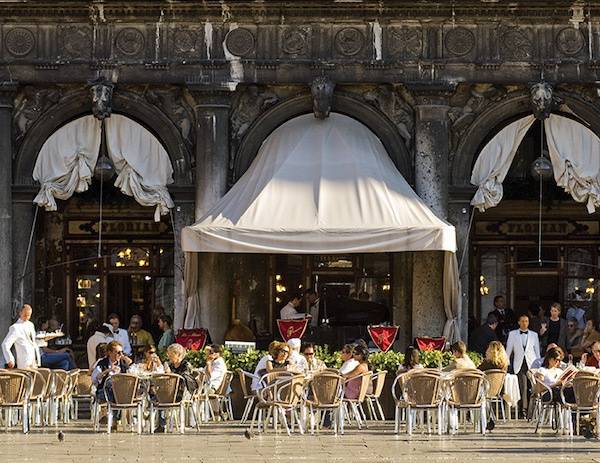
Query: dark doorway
pixel 535 288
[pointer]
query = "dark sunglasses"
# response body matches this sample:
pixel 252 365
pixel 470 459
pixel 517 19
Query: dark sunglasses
pixel 309 353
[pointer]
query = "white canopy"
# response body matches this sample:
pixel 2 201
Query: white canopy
pixel 325 186
pixel 320 187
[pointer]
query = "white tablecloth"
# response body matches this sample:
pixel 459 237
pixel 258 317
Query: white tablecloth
pixel 512 393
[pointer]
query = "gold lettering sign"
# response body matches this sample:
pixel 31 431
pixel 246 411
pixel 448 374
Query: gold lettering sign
pixel 531 227
pixel 118 227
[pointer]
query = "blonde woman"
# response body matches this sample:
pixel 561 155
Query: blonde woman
pixel 495 357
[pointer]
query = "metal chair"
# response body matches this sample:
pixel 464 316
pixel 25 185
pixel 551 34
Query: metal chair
pixel 222 397
pixel 495 380
pixel 83 391
pixel 586 389
pixel 372 399
pixel 422 391
pixel 249 396
pixel 38 392
pixel 326 395
pixel 15 389
pixel 124 397
pixel 355 411
pixel 542 400
pixel 468 391
pixel 167 397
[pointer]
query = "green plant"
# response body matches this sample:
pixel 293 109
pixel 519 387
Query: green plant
pixel 476 357
pixel 330 357
pixel 389 361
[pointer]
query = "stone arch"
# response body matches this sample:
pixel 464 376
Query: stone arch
pixel 498 115
pixel 376 121
pixel 124 103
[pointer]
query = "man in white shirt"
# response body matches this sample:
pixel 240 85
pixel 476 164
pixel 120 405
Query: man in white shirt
pixel 524 345
pixel 289 311
pixel 215 367
pixel 21 335
pixel 119 334
pixel 296 360
pixel 350 363
pixel 102 335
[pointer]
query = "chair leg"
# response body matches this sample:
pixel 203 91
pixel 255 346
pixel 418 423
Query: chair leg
pixel 380 408
pixel 110 419
pixel 181 420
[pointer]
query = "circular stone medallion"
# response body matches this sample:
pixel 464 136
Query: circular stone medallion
pixel 459 41
pixel 130 41
pixel 349 41
pixel 19 41
pixel 239 42
pixel 570 41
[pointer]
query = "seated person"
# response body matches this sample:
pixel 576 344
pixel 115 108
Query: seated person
pixel 412 360
pixel 215 367
pixel 114 362
pixel 574 334
pixel 179 365
pixel 261 366
pixel 347 355
pixel 495 357
pixel 312 362
pixel 280 358
pixel 537 363
pixel 549 373
pixel 353 383
pixel 101 351
pixel 151 363
pixel 165 322
pixel 593 360
pixel 461 360
pixel 140 336
pixel 102 335
pixel 296 360
pixel 589 337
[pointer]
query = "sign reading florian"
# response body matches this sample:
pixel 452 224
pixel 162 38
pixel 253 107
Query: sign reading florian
pixel 531 227
pixel 118 227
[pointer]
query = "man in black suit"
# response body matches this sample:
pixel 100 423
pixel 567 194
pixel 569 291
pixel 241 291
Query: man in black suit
pixel 506 318
pixel 482 336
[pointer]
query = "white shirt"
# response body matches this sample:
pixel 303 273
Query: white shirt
pixel 551 375
pixel 538 363
pixel 21 334
pixel 289 312
pixel 314 313
pixel 217 373
pixel 297 361
pixel 348 366
pixel 96 339
pixel 260 366
pixel 122 336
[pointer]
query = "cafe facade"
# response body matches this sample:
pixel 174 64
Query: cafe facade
pixel 205 83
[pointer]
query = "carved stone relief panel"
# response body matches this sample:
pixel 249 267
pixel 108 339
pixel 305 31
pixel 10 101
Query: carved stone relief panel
pixel 129 42
pixel 349 41
pixel 295 41
pixel 20 42
pixel 241 42
pixel 178 105
pixel 186 42
pixel 459 41
pixel 570 42
pixel 516 43
pixel 75 42
pixel 404 42
pixel 30 103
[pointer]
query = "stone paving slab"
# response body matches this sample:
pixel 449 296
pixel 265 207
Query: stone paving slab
pixel 508 443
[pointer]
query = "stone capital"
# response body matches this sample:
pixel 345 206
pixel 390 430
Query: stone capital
pixel 8 90
pixel 210 98
pixel 432 93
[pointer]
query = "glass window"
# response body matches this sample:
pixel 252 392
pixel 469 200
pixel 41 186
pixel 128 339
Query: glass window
pixel 127 257
pixel 492 279
pixel 333 262
pixel 579 261
pixel 87 302
pixel 376 265
pixel 164 293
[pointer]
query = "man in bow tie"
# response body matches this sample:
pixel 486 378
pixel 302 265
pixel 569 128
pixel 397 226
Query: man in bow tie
pixel 524 346
pixel 119 334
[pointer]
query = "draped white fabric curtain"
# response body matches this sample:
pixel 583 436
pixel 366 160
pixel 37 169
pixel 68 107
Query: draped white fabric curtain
pixel 575 155
pixel 192 300
pixel 494 161
pixel 65 164
pixel 452 299
pixel 143 166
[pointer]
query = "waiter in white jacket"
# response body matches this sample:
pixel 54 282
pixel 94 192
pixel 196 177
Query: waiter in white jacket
pixel 524 346
pixel 21 334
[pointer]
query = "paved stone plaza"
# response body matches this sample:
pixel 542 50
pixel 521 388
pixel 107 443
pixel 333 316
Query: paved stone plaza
pixel 224 442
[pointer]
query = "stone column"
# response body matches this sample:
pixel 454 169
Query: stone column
pixel 183 215
pixel 402 269
pixel 7 95
pixel 431 184
pixel 212 164
pixel 24 211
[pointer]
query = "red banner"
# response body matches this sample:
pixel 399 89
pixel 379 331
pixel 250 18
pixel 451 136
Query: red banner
pixel 383 336
pixel 292 328
pixel 192 339
pixel 425 343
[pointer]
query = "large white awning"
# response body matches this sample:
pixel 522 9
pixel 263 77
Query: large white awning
pixel 320 186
